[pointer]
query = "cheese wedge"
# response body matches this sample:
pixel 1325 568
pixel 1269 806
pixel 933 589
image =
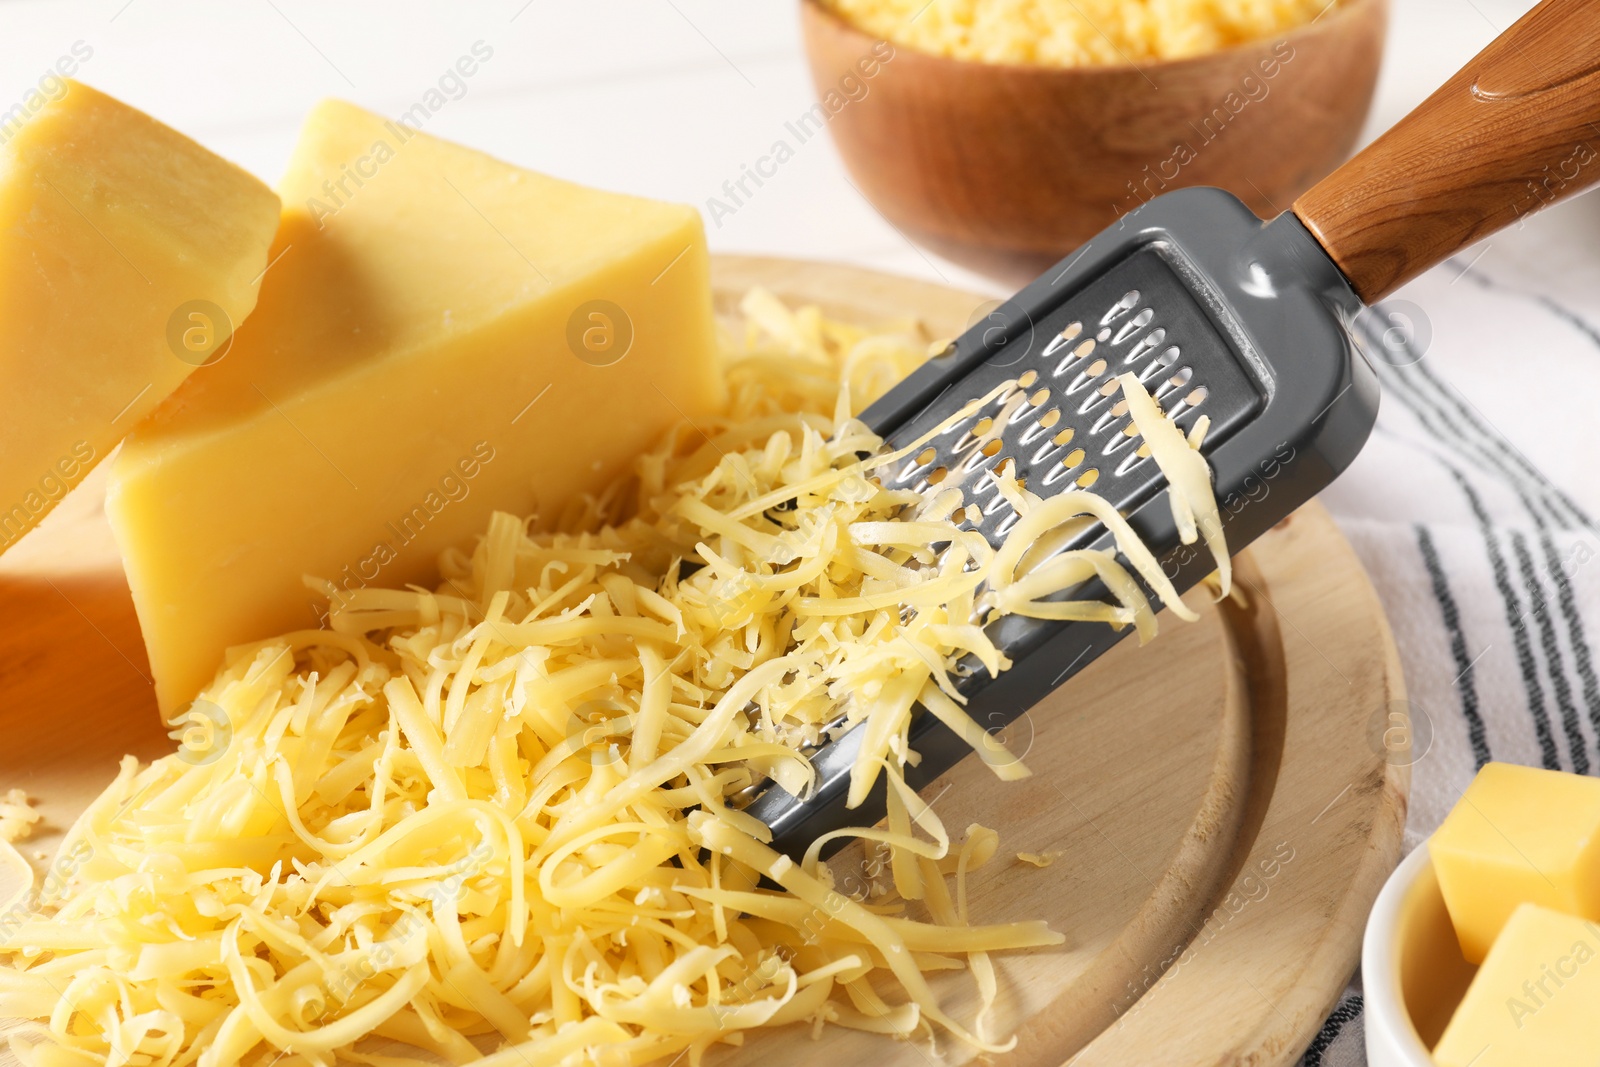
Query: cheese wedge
pixel 1518 835
pixel 128 253
pixel 441 336
pixel 1534 1000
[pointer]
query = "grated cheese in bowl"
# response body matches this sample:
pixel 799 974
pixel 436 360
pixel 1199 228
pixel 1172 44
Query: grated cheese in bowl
pixel 495 821
pixel 1074 33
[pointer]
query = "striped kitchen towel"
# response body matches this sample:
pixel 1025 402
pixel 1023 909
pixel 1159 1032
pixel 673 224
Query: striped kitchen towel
pixel 1487 565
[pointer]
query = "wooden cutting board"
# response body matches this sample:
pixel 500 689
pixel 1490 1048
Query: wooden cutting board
pixel 1221 800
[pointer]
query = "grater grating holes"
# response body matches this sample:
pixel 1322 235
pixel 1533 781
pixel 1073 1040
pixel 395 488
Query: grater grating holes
pixel 1163 362
pixel 1129 301
pixel 1063 339
pixel 1083 351
pixel 1140 348
pixel 1133 459
pixel 1086 377
pixel 1145 346
pixel 1062 409
pixel 1118 441
pixel 916 465
pixel 1177 381
pixel 1101 394
pixel 1133 326
pixel 1117 410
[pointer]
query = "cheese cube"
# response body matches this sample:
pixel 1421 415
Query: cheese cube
pixel 1534 1000
pixel 441 335
pixel 128 253
pixel 1518 834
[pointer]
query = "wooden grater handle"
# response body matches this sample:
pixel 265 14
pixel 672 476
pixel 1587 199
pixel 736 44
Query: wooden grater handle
pixel 1516 129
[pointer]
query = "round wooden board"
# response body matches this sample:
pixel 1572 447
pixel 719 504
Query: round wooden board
pixel 1220 800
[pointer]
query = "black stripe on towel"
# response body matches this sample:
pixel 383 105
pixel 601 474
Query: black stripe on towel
pixel 1418 388
pixel 1539 612
pixel 1557 570
pixel 1480 447
pixel 1466 683
pixel 1546 498
pixel 1557 500
pixel 1423 391
pixel 1519 634
pixel 1504 455
pixel 1342 1016
pixel 1438 422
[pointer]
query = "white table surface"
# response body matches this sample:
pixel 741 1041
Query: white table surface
pixel 668 98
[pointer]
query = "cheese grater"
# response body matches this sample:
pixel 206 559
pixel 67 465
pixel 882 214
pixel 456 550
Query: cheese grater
pixel 1222 315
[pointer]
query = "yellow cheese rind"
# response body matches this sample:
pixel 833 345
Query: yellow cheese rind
pixel 1534 1000
pixel 407 373
pixel 115 231
pixel 1518 835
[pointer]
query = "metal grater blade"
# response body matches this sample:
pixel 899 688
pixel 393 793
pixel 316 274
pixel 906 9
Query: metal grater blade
pixel 1065 425
pixel 1218 315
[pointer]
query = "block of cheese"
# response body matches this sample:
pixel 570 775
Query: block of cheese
pixel 127 255
pixel 441 335
pixel 1517 835
pixel 1535 999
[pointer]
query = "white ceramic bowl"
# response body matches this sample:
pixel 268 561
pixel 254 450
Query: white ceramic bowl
pixel 1412 973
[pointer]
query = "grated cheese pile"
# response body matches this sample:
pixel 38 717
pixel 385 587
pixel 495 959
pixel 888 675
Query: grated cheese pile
pixel 1040 859
pixel 17 822
pixel 1075 33
pixel 495 817
pixel 17 817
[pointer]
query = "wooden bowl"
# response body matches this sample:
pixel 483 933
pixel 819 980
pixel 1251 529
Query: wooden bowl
pixel 1008 168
